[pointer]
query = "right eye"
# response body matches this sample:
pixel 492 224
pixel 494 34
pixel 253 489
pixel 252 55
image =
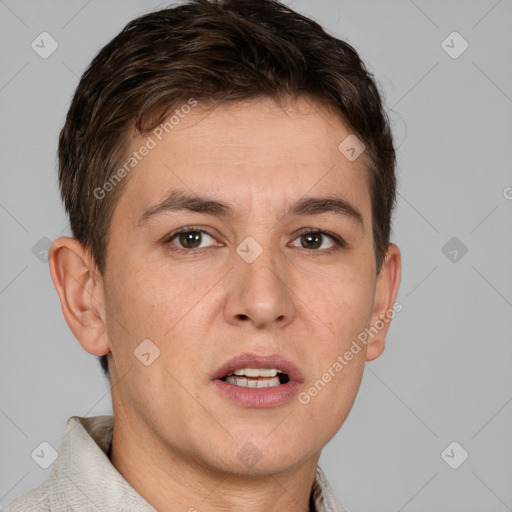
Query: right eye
pixel 189 239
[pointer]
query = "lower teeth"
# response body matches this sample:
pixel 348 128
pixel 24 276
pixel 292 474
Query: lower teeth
pixel 258 382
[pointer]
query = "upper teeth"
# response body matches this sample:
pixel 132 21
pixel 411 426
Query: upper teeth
pixel 257 372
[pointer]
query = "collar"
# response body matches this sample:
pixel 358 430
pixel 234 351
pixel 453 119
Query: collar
pixel 83 478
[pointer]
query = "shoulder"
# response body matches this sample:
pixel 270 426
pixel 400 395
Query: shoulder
pixel 36 499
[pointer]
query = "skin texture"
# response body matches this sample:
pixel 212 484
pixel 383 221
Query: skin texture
pixel 176 438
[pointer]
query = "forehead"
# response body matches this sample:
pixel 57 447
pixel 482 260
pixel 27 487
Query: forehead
pixel 254 153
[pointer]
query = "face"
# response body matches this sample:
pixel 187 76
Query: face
pixel 247 279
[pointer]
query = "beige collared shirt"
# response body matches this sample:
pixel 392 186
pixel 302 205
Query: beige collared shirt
pixel 83 478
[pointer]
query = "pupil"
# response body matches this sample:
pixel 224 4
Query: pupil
pixel 313 237
pixel 190 239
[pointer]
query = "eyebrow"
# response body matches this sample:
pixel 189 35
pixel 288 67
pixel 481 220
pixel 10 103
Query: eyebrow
pixel 178 200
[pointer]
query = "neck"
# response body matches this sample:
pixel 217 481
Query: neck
pixel 169 481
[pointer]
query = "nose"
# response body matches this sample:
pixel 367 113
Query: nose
pixel 260 292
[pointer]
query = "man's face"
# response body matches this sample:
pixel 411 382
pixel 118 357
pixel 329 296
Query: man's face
pixel 209 296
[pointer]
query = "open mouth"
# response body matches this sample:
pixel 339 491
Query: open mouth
pixel 257 377
pixel 257 380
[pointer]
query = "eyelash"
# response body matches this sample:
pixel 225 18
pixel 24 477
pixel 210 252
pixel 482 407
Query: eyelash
pixel 192 252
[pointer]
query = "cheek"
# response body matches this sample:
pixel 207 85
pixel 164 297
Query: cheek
pixel 340 359
pixel 344 302
pixel 144 295
pixel 137 309
pixel 165 305
pixel 345 308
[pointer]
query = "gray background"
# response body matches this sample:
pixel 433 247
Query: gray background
pixel 445 375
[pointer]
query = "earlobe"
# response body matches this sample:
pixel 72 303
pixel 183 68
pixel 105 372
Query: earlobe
pixel 80 289
pixel 386 290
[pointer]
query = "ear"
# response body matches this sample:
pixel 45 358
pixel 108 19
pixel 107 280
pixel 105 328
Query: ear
pixel 80 287
pixel 386 290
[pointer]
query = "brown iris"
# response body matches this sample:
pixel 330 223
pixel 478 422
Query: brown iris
pixel 315 238
pixel 190 240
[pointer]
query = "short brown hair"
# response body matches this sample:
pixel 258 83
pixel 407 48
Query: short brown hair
pixel 214 51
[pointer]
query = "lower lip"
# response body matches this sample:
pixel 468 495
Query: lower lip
pixel 258 397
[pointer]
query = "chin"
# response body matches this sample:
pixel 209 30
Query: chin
pixel 262 454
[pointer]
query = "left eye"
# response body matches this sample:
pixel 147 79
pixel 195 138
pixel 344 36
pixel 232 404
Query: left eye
pixel 315 240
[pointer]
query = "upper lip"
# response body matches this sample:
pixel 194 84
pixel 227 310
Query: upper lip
pixel 251 360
